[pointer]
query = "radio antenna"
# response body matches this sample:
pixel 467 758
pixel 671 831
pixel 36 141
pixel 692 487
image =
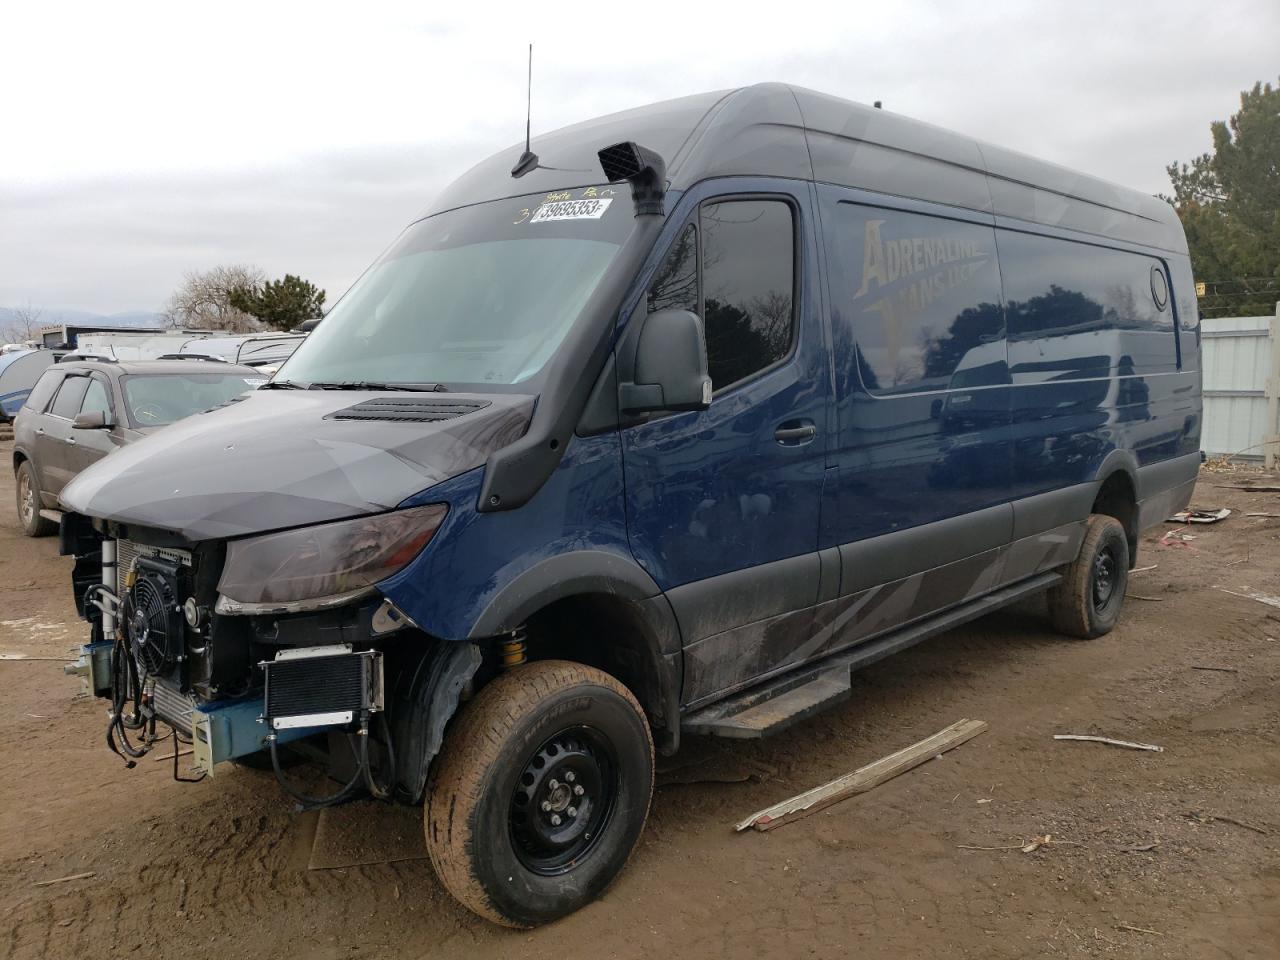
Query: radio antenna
pixel 528 160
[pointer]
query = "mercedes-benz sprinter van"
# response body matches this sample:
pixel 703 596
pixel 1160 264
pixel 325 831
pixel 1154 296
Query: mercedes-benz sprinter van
pixel 655 430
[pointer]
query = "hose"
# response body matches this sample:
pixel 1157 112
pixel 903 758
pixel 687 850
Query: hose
pixel 309 803
pixel 381 793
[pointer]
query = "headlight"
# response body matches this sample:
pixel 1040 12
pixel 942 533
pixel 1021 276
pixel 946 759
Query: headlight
pixel 325 565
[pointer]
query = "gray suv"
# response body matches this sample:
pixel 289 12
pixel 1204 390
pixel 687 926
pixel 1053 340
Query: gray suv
pixel 81 410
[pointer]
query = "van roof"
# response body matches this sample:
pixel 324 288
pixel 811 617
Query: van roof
pixel 777 130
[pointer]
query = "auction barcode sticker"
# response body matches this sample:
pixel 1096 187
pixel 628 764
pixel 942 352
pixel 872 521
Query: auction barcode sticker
pixel 571 210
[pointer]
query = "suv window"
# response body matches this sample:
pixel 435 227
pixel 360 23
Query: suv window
pixel 748 281
pixel 95 398
pixel 67 403
pixel 45 387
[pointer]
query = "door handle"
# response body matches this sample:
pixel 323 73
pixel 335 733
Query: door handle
pixel 793 433
pixel 71 441
pixel 40 431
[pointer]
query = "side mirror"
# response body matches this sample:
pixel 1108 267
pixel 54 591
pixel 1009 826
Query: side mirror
pixel 91 420
pixel 670 366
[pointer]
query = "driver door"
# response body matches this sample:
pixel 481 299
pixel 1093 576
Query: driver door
pixel 87 447
pixel 723 503
pixel 54 439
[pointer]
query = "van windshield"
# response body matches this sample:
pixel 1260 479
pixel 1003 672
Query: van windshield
pixel 475 297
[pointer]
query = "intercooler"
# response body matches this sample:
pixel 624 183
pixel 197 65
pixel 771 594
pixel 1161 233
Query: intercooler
pixel 172 706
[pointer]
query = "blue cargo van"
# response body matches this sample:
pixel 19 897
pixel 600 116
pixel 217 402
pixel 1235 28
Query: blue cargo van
pixel 656 429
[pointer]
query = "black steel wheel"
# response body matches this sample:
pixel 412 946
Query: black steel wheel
pixel 564 800
pixel 1106 575
pixel 1088 600
pixel 540 792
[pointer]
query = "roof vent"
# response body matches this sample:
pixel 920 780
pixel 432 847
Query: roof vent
pixel 408 409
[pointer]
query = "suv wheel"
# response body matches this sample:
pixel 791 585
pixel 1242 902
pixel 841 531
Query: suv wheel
pixel 1087 602
pixel 33 525
pixel 540 792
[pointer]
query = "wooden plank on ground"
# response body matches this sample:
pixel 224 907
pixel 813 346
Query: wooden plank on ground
pixel 864 778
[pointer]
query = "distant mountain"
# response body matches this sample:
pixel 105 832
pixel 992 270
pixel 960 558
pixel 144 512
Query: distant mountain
pixel 129 318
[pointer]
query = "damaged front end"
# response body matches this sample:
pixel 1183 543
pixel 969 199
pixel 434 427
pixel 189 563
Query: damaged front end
pixel 239 647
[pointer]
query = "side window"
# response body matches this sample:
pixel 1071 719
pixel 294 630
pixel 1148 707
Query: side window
pixel 95 398
pixel 923 299
pixel 1079 310
pixel 676 284
pixel 748 284
pixel 67 402
pixel 44 389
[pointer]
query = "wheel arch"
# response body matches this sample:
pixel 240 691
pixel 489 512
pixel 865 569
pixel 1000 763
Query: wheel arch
pixel 1117 495
pixel 635 641
pixel 600 608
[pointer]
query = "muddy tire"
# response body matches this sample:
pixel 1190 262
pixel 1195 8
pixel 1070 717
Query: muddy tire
pixel 1088 601
pixel 540 792
pixel 33 525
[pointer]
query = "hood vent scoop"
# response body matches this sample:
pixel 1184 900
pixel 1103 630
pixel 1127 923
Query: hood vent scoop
pixel 408 409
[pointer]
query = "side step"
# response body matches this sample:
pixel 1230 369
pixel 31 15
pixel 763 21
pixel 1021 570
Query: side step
pixel 774 707
pixel 777 703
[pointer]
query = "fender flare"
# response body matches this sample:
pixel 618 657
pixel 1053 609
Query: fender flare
pixel 1117 461
pixel 564 575
pixel 587 572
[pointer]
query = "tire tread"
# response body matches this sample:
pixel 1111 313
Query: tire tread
pixel 474 745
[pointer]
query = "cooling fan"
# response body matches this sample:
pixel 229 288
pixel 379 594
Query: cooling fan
pixel 155 622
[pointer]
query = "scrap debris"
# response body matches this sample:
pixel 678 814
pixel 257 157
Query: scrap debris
pixel 1176 538
pixel 1198 816
pixel 74 876
pixel 1030 846
pixel 1132 929
pixel 1197 666
pixel 1253 595
pixel 1107 740
pixel 864 778
pixel 1212 515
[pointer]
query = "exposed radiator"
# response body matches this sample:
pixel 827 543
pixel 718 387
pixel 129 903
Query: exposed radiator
pixel 127 552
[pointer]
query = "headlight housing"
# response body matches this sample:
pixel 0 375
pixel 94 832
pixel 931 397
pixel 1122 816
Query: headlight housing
pixel 321 566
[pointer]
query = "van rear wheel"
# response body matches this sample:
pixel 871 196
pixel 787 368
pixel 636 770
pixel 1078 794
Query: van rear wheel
pixel 1087 602
pixel 540 792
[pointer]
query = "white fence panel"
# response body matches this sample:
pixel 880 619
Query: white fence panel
pixel 1240 384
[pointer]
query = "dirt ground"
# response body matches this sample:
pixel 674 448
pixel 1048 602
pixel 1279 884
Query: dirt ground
pixel 222 866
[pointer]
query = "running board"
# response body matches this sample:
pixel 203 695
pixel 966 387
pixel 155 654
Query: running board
pixel 53 515
pixel 780 702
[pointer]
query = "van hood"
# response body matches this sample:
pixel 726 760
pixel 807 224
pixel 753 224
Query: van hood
pixel 285 458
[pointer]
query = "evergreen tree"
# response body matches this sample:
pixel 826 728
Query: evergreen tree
pixel 1229 202
pixel 280 304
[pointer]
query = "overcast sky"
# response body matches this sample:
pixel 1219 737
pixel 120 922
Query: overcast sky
pixel 142 140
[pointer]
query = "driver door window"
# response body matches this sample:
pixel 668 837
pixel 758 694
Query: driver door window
pixel 746 296
pixel 96 399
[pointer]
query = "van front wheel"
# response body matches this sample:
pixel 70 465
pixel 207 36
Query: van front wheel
pixel 1087 602
pixel 540 793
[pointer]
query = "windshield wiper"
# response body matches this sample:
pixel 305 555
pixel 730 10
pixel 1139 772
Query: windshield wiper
pixel 281 385
pixel 378 385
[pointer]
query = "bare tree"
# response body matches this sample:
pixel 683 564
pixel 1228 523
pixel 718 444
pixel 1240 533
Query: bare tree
pixel 24 325
pixel 204 299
